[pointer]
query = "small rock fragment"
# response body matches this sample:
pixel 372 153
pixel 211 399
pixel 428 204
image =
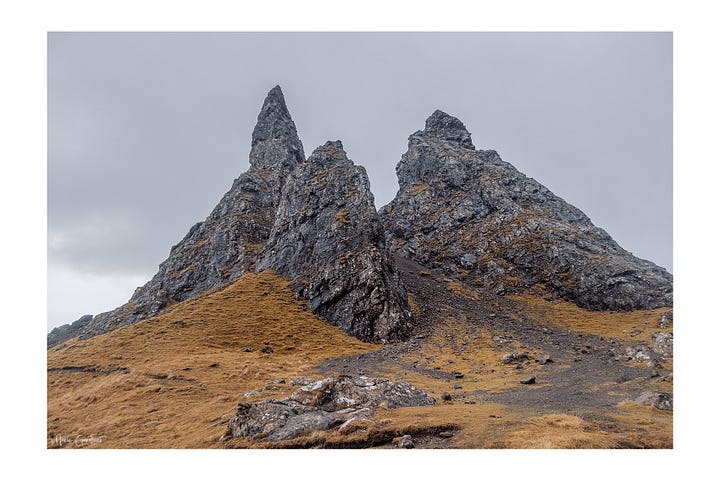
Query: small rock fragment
pixel 528 381
pixel 659 400
pixel 405 442
pixel 543 359
pixel 514 357
pixel 666 319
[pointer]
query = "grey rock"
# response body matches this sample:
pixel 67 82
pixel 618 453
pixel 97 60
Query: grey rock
pixel 322 405
pixel 528 381
pixel 251 393
pixel 302 381
pixel 446 397
pixel 65 332
pixel 663 343
pixel 666 319
pixel 405 441
pixel 514 357
pixel 543 359
pixel 643 354
pixel 267 349
pixel 329 241
pixel 469 215
pixel 659 400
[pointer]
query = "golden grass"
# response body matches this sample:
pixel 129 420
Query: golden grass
pixel 555 431
pixel 636 325
pixel 172 381
pixel 341 216
pixel 418 188
pixel 412 302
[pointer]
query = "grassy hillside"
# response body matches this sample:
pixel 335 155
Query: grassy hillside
pixel 173 381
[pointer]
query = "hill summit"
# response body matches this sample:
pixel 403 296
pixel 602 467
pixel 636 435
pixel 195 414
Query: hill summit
pixel 459 211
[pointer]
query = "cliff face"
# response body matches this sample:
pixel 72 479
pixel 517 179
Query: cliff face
pixel 475 217
pixel 329 241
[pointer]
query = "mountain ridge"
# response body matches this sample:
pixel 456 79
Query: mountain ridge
pixel 458 209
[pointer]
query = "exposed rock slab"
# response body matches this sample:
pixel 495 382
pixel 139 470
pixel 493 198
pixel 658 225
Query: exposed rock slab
pixel 328 239
pixel 322 405
pixel 474 217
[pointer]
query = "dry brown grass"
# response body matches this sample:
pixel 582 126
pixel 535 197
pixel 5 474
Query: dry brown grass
pixel 418 188
pixel 634 426
pixel 173 381
pixel 636 325
pixel 341 216
pixel 195 354
pixel 458 346
pixel 554 431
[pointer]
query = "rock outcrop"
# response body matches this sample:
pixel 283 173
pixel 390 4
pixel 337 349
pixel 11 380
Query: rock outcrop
pixel 220 249
pixel 313 222
pixel 459 210
pixel 322 405
pixel 64 332
pixel 474 217
pixel 328 239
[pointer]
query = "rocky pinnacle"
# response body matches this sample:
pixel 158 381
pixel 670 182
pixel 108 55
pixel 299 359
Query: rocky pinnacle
pixel 225 245
pixel 461 211
pixel 474 217
pixel 329 241
pixel 276 147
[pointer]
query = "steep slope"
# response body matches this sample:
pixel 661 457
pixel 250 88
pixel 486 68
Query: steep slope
pixel 329 241
pixel 476 218
pixel 172 381
pixel 224 246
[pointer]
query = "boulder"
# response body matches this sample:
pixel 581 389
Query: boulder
pixel 322 405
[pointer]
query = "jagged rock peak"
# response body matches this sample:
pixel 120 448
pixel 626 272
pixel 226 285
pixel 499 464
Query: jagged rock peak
pixel 275 140
pixel 330 153
pixel 328 240
pixel 449 128
pixel 222 248
pixel 476 218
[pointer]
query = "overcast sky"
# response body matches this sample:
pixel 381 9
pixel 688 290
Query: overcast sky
pixel 146 132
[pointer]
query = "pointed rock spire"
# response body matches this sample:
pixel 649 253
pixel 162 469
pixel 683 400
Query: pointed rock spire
pixel 223 247
pixel 275 142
